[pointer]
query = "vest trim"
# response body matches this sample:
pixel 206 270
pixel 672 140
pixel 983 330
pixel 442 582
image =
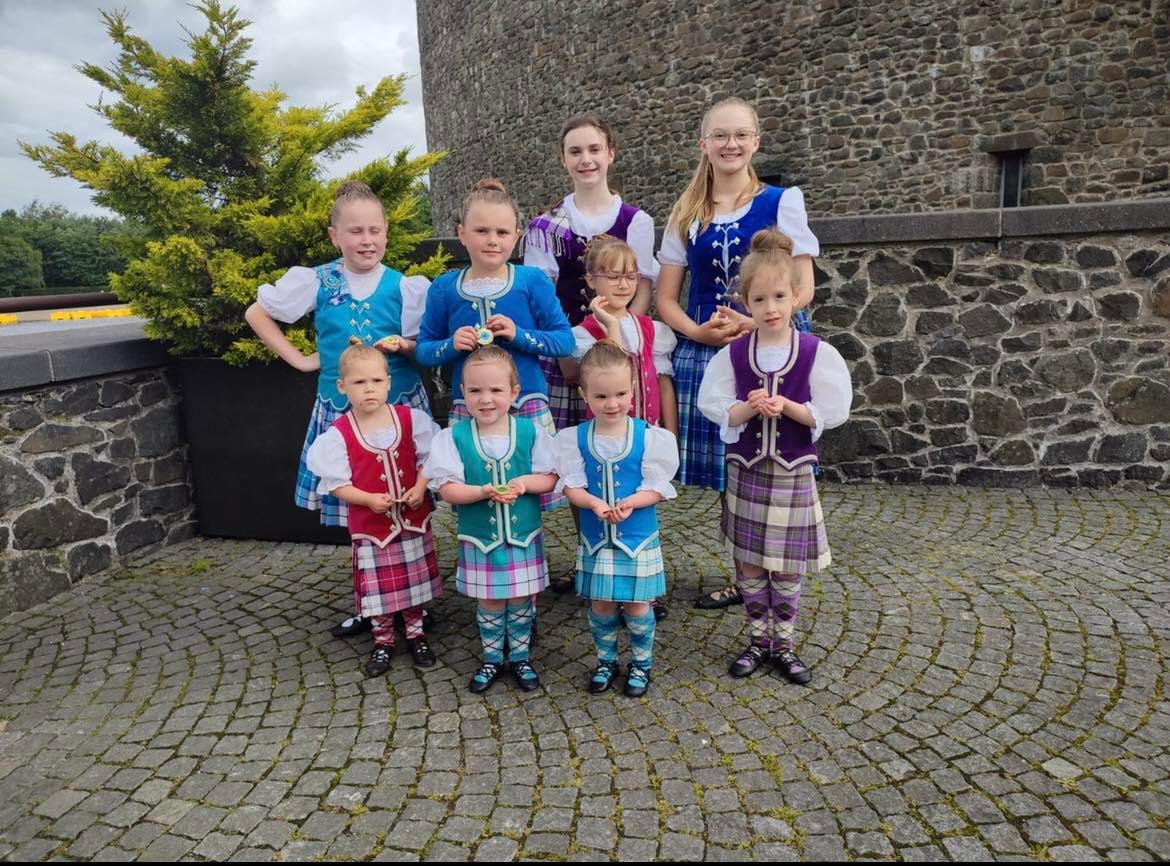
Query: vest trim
pixel 611 532
pixel 503 513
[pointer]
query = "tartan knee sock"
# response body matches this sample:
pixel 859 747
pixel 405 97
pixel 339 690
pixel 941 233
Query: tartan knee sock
pixel 491 633
pixel 641 629
pixel 604 627
pixel 383 629
pixel 521 615
pixel 785 603
pixel 757 608
pixel 412 622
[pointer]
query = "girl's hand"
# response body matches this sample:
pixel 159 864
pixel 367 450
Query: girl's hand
pixel 601 510
pixel 758 399
pixel 742 323
pixel 308 363
pixel 602 312
pixel 620 512
pixel 716 332
pixel 379 503
pixel 395 345
pixel 465 339
pixel 414 497
pixel 776 406
pixel 502 326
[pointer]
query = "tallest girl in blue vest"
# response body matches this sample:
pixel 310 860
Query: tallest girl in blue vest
pixel 708 232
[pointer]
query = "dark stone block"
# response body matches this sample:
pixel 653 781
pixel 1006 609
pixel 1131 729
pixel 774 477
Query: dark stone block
pixel 18 486
pixel 138 534
pixel 169 469
pixel 32 578
pixel 1160 298
pixel 885 270
pixel 1064 453
pixel 1096 257
pixel 50 467
pixel 55 523
pixel 974 279
pixel 1094 477
pixel 123 448
pixel 858 437
pixel 89 558
pixel 941 436
pixel 1006 272
pixel 1059 478
pixel 949 347
pixel 835 315
pixel 954 455
pixel 1108 349
pixel 848 345
pixel 946 367
pixel 983 322
pixel 922 387
pixel 1013 372
pixel 906 443
pixel 1014 452
pixel 1139 401
pixel 1080 312
pixel 95 477
pixel 1055 281
pixel 1067 371
pixel 74 400
pixel 981 476
pixel 1044 253
pixel 181 531
pixel 157 432
pixel 114 413
pixel 884 390
pixel 23 418
pixel 1120 306
pixel 1104 280
pixel 1077 426
pixel 847 269
pixel 932 322
pixel 58 437
pixel 163 500
pixel 1147 263
pixel 862 373
pixel 928 295
pixel 986 356
pixel 1161 453
pixel 892 417
pixel 1149 474
pixel 897 357
pixel 901 476
pixel 998 416
pixel 1005 293
pixel 115 392
pixel 1029 342
pixel 853 294
pixel 947 411
pixel 982 379
pixel 1121 448
pixel 884 317
pixel 934 261
pixel 153 392
pixel 1040 312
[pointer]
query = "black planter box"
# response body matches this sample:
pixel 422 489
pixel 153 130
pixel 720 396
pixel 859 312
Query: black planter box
pixel 245 428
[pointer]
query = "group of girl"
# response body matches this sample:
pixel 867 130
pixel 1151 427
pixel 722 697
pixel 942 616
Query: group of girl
pixel 563 388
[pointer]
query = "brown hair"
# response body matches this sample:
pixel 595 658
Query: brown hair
pixel 493 354
pixel 579 120
pixel 351 191
pixel 359 352
pixel 770 251
pixel 603 355
pixel 606 251
pixel 695 203
pixel 491 191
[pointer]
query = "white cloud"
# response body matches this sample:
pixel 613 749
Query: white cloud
pixel 317 53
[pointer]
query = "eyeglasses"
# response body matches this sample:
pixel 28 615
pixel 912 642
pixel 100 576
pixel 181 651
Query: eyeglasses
pixel 614 279
pixel 741 136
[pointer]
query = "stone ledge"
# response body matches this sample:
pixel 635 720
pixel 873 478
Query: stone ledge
pixel 32 360
pixel 887 228
pixel 1080 219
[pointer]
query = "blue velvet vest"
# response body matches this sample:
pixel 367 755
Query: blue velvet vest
pixel 613 480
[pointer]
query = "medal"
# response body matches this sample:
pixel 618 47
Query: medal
pixel 483 336
pixel 390 342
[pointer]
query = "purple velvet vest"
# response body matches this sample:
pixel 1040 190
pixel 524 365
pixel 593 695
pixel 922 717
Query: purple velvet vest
pixel 787 442
pixel 572 291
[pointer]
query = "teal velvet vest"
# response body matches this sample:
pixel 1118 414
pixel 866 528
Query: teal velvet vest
pixel 489 524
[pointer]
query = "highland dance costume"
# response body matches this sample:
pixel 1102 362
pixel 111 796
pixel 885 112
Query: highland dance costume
pixel 555 243
pixel 394 564
pixel 369 307
pixel 713 257
pixel 772 515
pixel 649 344
pixel 501 550
pixel 619 562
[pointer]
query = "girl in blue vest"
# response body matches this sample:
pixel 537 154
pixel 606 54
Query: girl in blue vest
pixel 370 460
pixel 492 468
pixel 769 395
pixel 495 302
pixel 615 469
pixel 354 298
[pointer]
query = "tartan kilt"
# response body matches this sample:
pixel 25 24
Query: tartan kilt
pixel 334 512
pixel 401 575
pixel 564 400
pixel 702 458
pixel 507 572
pixel 610 574
pixel 772 518
pixel 536 409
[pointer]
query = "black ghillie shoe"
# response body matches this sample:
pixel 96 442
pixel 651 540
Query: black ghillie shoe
pixel 379 661
pixel 748 661
pixel 485 677
pixel 421 652
pixel 723 597
pixel 789 666
pixel 352 625
pixel 602 678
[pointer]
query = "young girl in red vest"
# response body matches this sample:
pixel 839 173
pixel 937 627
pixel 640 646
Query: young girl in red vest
pixel 770 394
pixel 611 267
pixel 369 458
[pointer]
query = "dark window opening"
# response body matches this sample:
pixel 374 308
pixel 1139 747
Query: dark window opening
pixel 772 179
pixel 1011 177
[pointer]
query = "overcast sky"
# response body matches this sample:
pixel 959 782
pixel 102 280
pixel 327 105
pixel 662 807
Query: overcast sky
pixel 318 52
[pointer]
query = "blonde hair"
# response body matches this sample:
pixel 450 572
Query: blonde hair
pixel 770 251
pixel 489 190
pixel 493 354
pixel 351 191
pixel 604 355
pixel 606 251
pixel 359 352
pixel 696 203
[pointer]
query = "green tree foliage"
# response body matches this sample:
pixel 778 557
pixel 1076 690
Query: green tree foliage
pixel 75 250
pixel 228 188
pixel 20 267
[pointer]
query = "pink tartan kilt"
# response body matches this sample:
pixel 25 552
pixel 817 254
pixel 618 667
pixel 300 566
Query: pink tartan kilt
pixel 401 575
pixel 772 518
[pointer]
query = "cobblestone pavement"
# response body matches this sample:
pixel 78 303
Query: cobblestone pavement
pixel 990 674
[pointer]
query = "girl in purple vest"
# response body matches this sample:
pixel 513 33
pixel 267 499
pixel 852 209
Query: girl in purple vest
pixel 369 458
pixel 555 242
pixel 615 469
pixel 770 395
pixel 612 274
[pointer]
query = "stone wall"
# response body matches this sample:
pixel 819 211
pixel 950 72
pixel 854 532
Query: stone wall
pixel 871 108
pixel 90 470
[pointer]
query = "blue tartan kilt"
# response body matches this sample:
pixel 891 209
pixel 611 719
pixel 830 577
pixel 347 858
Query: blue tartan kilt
pixel 610 574
pixel 702 457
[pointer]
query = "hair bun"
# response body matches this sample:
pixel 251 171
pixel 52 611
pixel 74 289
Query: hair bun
pixel 771 241
pixel 492 183
pixel 353 189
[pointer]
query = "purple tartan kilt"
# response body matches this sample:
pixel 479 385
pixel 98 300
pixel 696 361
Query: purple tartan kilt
pixel 772 518
pixel 564 400
pixel 401 575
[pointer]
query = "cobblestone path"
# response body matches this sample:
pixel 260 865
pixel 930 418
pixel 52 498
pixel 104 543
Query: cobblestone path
pixel 990 682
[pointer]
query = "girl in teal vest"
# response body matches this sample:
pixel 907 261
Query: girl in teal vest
pixel 493 468
pixel 615 469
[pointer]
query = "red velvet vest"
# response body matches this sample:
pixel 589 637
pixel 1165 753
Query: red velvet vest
pixel 647 401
